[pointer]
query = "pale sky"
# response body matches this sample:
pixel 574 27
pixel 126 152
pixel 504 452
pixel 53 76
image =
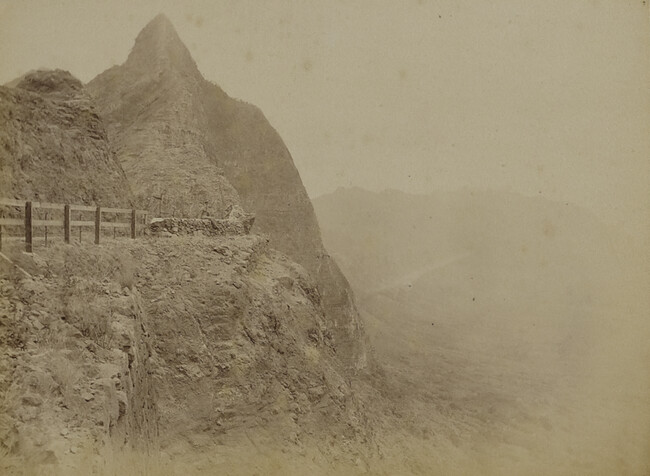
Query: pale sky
pixel 543 97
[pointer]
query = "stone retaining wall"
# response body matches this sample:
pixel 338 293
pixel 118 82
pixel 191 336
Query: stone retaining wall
pixel 237 223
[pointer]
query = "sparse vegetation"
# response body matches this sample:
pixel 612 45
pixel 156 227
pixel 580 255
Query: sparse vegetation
pixel 84 311
pixel 9 401
pixel 126 272
pixel 10 463
pixel 65 373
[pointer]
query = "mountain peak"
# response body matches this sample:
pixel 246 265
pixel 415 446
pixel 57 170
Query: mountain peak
pixel 160 20
pixel 159 27
pixel 158 47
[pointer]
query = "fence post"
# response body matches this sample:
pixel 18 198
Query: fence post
pixel 66 223
pixel 28 227
pixel 98 224
pixel 133 223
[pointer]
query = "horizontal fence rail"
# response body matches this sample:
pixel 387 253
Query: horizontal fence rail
pixel 133 220
pixel 10 202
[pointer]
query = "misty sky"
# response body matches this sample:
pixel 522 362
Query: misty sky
pixel 546 98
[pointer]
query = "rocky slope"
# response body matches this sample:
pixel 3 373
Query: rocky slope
pixel 76 358
pixel 244 346
pixel 53 145
pixel 192 344
pixel 184 139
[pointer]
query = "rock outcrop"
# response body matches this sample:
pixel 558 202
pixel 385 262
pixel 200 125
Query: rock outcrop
pixel 244 346
pixel 53 145
pixel 183 141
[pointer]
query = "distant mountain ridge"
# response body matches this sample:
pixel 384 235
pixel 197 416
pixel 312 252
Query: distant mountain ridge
pixel 188 149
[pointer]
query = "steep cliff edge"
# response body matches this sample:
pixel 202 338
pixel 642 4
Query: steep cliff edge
pixel 188 148
pixel 53 145
pixel 244 347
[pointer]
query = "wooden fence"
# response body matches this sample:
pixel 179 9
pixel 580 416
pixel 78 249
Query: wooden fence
pixel 29 221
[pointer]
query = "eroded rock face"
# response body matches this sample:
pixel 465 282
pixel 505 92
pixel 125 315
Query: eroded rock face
pixel 181 137
pixel 77 360
pixel 53 145
pixel 189 344
pixel 244 346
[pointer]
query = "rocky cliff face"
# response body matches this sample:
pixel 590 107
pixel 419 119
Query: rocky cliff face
pixel 244 348
pixel 184 142
pixel 53 145
pixel 76 360
pixel 154 110
pixel 192 345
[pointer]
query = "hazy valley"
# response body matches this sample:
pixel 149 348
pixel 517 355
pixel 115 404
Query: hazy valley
pixel 513 325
